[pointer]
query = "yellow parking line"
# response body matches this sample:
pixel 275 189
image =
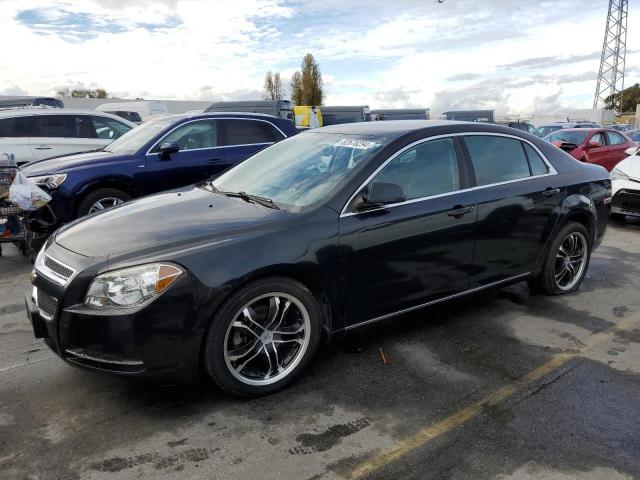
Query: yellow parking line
pixel 464 415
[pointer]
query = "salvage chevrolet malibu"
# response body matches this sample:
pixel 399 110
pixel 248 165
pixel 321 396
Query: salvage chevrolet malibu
pixel 240 277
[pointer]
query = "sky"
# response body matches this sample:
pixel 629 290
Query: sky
pixel 512 56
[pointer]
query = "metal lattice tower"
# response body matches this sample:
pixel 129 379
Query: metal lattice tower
pixel 614 48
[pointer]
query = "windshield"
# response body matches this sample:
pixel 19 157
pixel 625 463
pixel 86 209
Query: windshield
pixel 138 137
pixel 568 137
pixel 544 131
pixel 302 170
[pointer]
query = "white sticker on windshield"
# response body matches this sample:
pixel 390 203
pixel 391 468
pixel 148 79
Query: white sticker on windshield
pixel 357 143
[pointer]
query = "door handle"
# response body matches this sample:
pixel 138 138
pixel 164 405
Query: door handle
pixel 459 211
pixel 42 148
pixel 550 192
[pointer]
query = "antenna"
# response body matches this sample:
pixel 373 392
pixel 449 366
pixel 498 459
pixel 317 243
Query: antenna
pixel 610 84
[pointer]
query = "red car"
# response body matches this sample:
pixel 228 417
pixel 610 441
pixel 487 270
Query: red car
pixel 601 146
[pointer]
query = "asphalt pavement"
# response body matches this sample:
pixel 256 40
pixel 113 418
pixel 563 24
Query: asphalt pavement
pixel 502 385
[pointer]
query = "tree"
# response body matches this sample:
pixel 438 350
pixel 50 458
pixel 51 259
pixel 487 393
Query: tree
pixel 82 93
pixel 306 84
pixel 630 98
pixel 273 89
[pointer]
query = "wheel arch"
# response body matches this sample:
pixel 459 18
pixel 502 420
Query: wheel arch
pixel 119 183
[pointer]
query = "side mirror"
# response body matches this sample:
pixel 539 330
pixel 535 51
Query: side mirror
pixel 167 148
pixel 594 144
pixel 381 193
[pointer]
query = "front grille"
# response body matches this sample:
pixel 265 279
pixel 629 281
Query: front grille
pixel 47 304
pixel 58 268
pixel 627 202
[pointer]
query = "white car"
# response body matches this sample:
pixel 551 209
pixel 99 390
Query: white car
pixel 39 133
pixel 626 187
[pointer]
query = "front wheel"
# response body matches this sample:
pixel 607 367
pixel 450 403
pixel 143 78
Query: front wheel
pixel 102 199
pixel 263 337
pixel 567 261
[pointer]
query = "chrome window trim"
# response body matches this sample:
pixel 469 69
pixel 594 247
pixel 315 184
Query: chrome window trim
pixel 53 276
pixel 552 171
pixel 219 146
pixel 439 300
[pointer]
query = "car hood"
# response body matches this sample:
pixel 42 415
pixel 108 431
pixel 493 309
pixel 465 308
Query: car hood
pixel 173 219
pixel 65 163
pixel 630 166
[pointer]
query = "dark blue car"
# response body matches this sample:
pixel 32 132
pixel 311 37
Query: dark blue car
pixel 162 154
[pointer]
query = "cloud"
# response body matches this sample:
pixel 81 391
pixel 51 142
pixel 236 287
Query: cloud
pixel 463 76
pixel 546 62
pixel 464 54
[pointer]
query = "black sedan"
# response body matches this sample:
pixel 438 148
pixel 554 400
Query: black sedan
pixel 239 278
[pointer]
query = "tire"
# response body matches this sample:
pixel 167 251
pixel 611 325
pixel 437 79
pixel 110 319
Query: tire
pixel 572 268
pixel 237 343
pixel 102 194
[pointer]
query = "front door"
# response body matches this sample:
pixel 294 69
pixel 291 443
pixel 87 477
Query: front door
pixel 518 197
pixel 200 156
pixel 595 154
pixel 403 255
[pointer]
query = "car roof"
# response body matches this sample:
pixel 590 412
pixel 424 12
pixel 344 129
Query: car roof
pixel 25 112
pixel 388 127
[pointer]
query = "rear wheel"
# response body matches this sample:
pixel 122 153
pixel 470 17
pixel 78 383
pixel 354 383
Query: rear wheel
pixel 263 337
pixel 567 261
pixel 102 199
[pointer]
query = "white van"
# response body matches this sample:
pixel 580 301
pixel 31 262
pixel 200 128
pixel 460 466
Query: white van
pixel 146 108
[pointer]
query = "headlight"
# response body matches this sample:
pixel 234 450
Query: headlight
pixel 131 287
pixel 617 174
pixel 50 181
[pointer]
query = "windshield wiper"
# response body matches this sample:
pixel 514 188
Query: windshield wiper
pixel 249 198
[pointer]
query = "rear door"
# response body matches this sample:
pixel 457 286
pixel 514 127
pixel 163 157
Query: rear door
pixel 617 146
pixel 62 135
pixel 407 254
pixel 518 195
pixel 244 137
pixel 14 137
pixel 200 156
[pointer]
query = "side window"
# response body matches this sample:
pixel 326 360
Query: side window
pixel 107 128
pixel 497 159
pixel 16 127
pixel 247 132
pixel 538 167
pixel 194 135
pixel 597 138
pixel 615 138
pixel 69 126
pixel 427 169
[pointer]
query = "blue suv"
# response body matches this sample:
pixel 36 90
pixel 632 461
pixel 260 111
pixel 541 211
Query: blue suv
pixel 162 154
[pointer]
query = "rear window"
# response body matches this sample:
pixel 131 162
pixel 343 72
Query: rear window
pixel 538 167
pixel 66 126
pixel 615 138
pixel 16 127
pixel 568 137
pixel 247 132
pixel 497 159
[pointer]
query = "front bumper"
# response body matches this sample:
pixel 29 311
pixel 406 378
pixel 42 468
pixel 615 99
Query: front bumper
pixel 626 197
pixel 161 341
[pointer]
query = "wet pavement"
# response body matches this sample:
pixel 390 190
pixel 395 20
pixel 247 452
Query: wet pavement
pixel 503 385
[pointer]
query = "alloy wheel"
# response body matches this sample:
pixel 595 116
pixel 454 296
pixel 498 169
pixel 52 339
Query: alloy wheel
pixel 571 260
pixel 104 203
pixel 267 339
